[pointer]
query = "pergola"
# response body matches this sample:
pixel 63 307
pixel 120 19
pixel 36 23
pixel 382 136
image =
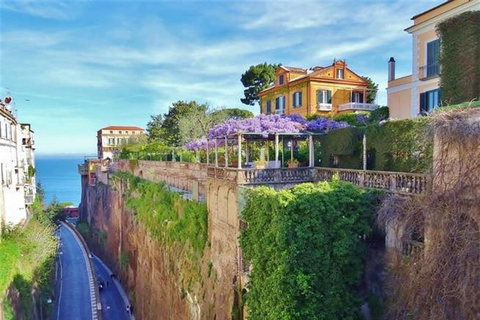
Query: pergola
pixel 239 137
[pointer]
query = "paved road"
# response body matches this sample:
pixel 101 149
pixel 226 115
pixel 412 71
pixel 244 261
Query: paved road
pixel 113 303
pixel 73 290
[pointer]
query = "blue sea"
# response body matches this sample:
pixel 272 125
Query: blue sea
pixel 59 177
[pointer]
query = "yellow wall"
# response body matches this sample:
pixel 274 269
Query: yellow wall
pixel 422 46
pixel 438 11
pixel 399 104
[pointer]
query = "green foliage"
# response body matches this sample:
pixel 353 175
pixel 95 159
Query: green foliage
pixel 27 260
pixel 83 228
pixel 401 145
pixel 124 260
pixel 166 129
pixel 234 113
pixel 306 248
pixel 459 58
pixel 30 172
pixel 167 216
pixel 379 114
pixel 255 79
pixel 154 128
pixel 350 118
pixel 372 89
pixel 346 144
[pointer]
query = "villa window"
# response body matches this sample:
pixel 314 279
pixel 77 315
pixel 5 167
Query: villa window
pixel 111 131
pixel 280 105
pixel 429 100
pixel 120 132
pixel 280 80
pixel 324 96
pixel 433 52
pixel 297 99
pixel 126 132
pixel 357 97
pixel 339 73
pixel 269 107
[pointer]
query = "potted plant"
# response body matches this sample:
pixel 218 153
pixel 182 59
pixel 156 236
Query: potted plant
pixel 260 164
pixel 292 163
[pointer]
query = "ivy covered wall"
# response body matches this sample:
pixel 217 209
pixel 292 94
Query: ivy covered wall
pixel 401 145
pixel 306 247
pixel 460 58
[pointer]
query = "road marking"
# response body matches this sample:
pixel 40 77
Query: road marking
pixel 60 294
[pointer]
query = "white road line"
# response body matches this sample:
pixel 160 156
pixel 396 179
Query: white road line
pixel 61 286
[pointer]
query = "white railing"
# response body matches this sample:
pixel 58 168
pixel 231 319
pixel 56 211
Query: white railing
pixel 324 106
pixel 279 111
pixel 358 106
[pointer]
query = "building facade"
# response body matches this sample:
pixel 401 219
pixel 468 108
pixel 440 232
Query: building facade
pixel 319 90
pixel 110 139
pixel 419 92
pixel 17 167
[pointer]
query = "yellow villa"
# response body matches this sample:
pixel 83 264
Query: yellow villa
pixel 318 90
pixel 419 92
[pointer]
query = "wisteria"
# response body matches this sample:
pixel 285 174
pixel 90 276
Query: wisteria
pixel 264 124
pixel 324 124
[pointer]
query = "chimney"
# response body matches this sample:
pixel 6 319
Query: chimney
pixel 391 69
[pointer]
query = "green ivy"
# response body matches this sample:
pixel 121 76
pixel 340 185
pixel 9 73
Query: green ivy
pixel 305 245
pixel 401 145
pixel 167 216
pixel 459 58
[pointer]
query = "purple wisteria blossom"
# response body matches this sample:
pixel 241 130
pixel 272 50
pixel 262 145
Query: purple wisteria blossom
pixel 264 124
pixel 324 124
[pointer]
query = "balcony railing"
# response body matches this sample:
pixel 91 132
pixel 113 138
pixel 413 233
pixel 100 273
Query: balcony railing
pixel 396 182
pixel 82 169
pixel 429 71
pixel 324 106
pixel 279 111
pixel 358 106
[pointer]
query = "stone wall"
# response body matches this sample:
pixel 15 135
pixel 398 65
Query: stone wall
pixel 153 274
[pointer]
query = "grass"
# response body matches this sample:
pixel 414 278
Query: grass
pixel 27 257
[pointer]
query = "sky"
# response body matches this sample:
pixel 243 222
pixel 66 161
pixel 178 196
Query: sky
pixel 73 67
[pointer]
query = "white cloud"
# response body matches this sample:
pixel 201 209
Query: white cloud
pixel 59 10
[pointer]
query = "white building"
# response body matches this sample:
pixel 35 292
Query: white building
pixel 111 139
pixel 17 167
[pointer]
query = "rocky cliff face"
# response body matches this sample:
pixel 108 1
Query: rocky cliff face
pixel 153 273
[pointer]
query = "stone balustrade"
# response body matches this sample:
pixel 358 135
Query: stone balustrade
pixel 396 182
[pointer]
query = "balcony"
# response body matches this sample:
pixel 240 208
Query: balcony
pixel 429 71
pixel 280 111
pixel 358 106
pixel 82 169
pixel 324 106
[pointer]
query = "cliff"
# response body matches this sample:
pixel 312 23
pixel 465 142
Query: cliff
pixel 165 278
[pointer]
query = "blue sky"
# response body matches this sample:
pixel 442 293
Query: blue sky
pixel 75 67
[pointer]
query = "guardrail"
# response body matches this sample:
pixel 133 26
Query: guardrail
pixel 96 305
pixel 396 182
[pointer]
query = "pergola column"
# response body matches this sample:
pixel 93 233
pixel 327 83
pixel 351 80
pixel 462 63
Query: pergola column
pixel 310 152
pixel 239 165
pixel 276 148
pixel 226 152
pixel 216 153
pixel 364 143
pixel 208 160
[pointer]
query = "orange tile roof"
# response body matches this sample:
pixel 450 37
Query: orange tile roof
pixel 123 128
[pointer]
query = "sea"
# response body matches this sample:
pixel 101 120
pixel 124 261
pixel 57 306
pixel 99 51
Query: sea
pixel 59 177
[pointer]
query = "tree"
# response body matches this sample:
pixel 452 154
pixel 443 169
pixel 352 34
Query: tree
pixel 233 113
pixel 255 79
pixel 166 128
pixel 372 89
pixel 198 124
pixel 154 127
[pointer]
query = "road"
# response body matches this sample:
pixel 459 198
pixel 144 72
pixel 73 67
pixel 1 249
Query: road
pixel 74 294
pixel 113 302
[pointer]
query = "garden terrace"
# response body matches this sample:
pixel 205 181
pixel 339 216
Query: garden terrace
pixel 395 182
